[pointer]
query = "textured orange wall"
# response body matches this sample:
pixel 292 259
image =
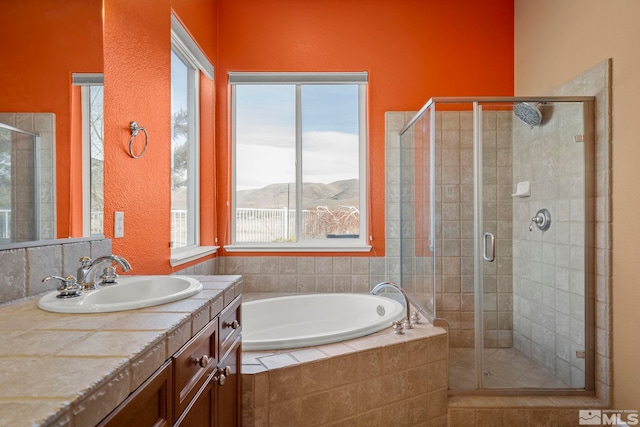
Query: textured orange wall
pixel 138 88
pixel 43 42
pixel 412 49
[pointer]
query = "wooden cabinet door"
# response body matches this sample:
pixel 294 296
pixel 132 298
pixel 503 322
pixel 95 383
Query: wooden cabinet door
pixel 150 405
pixel 193 365
pixel 228 394
pixel 201 410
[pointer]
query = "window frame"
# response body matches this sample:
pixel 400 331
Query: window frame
pixel 187 50
pixel 299 79
pixel 85 81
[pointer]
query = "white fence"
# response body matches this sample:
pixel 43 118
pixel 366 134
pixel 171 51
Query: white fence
pixel 278 225
pixel 5 224
pixel 252 225
pixel 265 225
pixel 179 228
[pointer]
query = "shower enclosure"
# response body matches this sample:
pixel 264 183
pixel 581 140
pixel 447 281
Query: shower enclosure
pixel 497 220
pixel 18 185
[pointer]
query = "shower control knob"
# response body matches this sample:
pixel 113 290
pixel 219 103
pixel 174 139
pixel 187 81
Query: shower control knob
pixel 542 220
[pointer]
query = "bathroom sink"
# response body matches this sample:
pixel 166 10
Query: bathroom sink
pixel 130 293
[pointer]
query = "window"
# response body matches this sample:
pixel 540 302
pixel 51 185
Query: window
pixel 187 62
pixel 299 161
pixel 91 94
pixel 184 152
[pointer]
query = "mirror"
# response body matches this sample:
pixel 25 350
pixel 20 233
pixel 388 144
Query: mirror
pixel 46 41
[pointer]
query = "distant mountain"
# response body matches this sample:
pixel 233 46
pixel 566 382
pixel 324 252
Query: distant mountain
pixel 274 196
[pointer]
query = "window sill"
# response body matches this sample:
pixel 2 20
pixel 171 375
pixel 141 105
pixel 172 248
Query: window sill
pixel 188 255
pixel 283 247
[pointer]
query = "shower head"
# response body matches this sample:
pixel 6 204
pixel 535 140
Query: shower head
pixel 528 113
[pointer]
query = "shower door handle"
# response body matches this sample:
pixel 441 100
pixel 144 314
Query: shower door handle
pixel 489 247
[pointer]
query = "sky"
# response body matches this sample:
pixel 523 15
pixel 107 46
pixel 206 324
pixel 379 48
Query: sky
pixel 265 134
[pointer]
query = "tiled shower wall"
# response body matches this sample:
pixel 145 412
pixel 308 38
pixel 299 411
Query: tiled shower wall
pixel 454 213
pixel 44 125
pixel 548 269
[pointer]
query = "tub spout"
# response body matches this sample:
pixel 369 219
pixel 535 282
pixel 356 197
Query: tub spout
pixel 382 285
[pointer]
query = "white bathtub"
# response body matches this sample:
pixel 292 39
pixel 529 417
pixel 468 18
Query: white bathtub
pixel 314 319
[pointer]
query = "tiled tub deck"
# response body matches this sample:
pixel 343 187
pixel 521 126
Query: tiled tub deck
pixel 382 379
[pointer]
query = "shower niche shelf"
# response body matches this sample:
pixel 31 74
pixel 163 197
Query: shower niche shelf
pixel 523 189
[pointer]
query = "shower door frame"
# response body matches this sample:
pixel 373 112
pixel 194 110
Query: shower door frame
pixel 588 103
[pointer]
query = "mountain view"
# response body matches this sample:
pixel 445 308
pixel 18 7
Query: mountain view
pixel 338 193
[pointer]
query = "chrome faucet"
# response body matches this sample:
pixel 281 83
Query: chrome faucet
pixel 408 321
pixel 87 272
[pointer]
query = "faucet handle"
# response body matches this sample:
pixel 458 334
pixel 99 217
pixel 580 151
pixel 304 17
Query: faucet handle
pixel 85 261
pixel 68 288
pixel 109 276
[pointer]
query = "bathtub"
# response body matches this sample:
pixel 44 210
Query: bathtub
pixel 314 319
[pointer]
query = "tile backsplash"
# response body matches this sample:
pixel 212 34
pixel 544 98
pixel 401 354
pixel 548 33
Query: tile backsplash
pixel 22 269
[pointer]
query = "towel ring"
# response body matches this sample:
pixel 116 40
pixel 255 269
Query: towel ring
pixel 135 129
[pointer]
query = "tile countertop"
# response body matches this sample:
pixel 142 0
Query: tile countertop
pixel 73 369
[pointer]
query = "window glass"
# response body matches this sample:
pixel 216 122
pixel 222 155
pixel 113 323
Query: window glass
pixel 182 144
pixel 96 132
pixel 330 161
pixel 265 163
pixel 298 145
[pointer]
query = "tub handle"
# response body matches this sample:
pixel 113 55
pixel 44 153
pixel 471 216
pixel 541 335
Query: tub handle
pixel 202 361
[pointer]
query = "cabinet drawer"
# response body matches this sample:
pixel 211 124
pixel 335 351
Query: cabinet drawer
pixel 193 364
pixel 230 325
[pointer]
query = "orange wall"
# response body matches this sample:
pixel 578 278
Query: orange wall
pixel 412 49
pixel 43 42
pixel 138 88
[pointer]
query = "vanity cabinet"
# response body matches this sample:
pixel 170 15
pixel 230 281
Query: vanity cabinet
pixel 199 386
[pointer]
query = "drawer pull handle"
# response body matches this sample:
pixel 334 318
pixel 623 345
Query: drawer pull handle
pixel 202 361
pixel 232 325
pixel 222 377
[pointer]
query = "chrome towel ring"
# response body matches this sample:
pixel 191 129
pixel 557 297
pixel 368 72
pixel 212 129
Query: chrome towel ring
pixel 135 129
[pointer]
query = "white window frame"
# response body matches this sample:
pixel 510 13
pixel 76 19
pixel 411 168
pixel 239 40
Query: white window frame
pixel 298 79
pixel 85 81
pixel 188 51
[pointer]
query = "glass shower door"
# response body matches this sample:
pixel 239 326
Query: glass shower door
pixel 530 193
pixel 500 365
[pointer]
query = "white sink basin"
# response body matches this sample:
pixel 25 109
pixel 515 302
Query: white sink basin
pixel 130 293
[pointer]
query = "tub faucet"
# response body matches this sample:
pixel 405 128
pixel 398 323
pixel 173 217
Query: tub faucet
pixel 87 272
pixel 407 322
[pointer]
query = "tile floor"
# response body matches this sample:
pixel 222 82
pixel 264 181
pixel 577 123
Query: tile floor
pixel 503 368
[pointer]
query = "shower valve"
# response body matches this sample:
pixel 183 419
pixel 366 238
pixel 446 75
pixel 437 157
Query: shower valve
pixel 542 220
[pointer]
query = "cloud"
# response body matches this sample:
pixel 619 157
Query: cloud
pixel 327 157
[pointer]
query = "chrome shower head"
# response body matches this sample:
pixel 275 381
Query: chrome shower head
pixel 528 113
